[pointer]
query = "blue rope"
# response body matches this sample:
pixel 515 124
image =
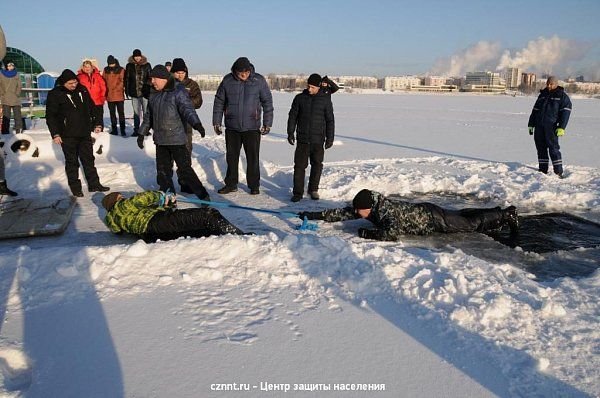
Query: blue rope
pixel 306 226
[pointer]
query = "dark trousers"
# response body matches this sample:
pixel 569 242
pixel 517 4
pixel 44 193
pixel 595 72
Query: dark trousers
pixel 79 149
pixel 546 142
pixel 165 156
pixel 304 152
pixel 16 113
pixel 195 222
pixel 466 220
pixel 189 146
pixel 234 141
pixel 98 115
pixel 113 108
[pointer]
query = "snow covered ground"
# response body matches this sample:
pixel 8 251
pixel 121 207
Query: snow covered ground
pixel 91 314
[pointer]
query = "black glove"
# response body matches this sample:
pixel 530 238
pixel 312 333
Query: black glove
pixel 199 128
pixel 311 215
pixel 328 144
pixel 291 140
pixel 140 141
pixel 218 130
pixel 264 130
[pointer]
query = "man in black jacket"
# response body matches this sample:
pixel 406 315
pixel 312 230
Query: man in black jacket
pixel 137 86
pixel 311 117
pixel 69 116
pixel 394 218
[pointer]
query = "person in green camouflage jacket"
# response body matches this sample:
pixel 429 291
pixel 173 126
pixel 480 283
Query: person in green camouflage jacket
pixel 152 215
pixel 394 218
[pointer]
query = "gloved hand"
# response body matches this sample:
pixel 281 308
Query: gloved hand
pixel 167 198
pixel 218 130
pixel 311 215
pixel 140 141
pixel 264 130
pixel 291 140
pixel 560 132
pixel 363 233
pixel 199 128
pixel 531 130
pixel 328 144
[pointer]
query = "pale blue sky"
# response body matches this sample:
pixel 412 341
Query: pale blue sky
pixel 333 37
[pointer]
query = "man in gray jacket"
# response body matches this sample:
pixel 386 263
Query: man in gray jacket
pixel 240 97
pixel 10 92
pixel 169 110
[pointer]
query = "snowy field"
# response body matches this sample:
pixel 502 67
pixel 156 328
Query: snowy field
pixel 92 314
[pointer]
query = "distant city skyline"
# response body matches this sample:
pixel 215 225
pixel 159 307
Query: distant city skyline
pixel 379 38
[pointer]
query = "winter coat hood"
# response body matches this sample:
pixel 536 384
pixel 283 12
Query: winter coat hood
pixel 143 61
pixel 252 72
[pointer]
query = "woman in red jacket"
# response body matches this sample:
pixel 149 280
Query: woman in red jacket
pixel 91 79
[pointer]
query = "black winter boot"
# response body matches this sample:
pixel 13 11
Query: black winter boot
pixel 123 134
pixel 98 188
pixel 5 191
pixel 113 130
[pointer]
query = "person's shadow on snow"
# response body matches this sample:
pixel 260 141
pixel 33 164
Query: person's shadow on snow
pixel 65 337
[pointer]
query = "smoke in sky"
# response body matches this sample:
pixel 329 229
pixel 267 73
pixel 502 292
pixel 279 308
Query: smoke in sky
pixel 543 55
pixel 480 55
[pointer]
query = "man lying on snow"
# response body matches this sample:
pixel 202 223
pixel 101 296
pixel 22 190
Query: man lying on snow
pixel 151 215
pixel 394 218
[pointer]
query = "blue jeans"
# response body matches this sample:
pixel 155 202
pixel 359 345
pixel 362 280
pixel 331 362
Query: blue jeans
pixel 140 107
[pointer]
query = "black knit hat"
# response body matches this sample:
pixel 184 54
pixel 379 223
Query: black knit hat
pixel 160 72
pixel 363 200
pixel 65 76
pixel 179 65
pixel 111 60
pixel 137 52
pixel 314 79
pixel 108 201
pixel 241 64
pixel 168 63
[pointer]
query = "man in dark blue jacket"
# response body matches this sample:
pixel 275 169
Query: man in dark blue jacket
pixel 311 117
pixel 547 122
pixel 240 97
pixel 169 111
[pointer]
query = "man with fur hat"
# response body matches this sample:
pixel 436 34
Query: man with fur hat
pixel 393 218
pixel 137 86
pixel 114 75
pixel 10 93
pixel 152 215
pixel 311 118
pixel 70 119
pixel 240 97
pixel 169 110
pixel 180 72
pixel 547 122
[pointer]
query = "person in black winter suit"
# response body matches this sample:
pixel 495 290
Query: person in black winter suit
pixel 311 117
pixel 547 122
pixel 70 119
